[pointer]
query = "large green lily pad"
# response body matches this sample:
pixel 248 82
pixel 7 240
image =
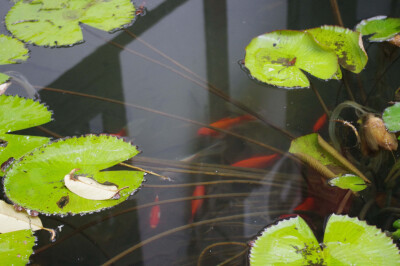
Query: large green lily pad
pixel 381 28
pixel 347 241
pixel 391 117
pixel 57 24
pixel 279 57
pixel 12 51
pixel 16 247
pixel 346 43
pixel 36 182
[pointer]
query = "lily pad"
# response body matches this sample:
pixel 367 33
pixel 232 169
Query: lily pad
pixel 16 247
pixel 36 182
pixel 12 51
pixel 352 182
pixel 52 4
pixel 347 241
pixel 18 113
pixel 391 117
pixel 381 28
pixel 346 43
pixel 32 22
pixel 279 57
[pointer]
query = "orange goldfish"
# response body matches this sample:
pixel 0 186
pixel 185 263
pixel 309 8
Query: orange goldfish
pixel 155 214
pixel 257 161
pixel 121 133
pixel 196 204
pixel 224 123
pixel 321 121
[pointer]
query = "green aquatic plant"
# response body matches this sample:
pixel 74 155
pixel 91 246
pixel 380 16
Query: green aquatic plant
pixel 348 181
pixel 347 45
pixel 391 117
pixel 58 24
pixel 18 113
pixel 12 51
pixel 347 241
pixel 279 57
pixel 16 247
pixel 37 180
pixel 381 28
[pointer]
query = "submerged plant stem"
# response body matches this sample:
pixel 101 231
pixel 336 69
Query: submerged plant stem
pixel 321 101
pixel 146 171
pixel 216 245
pixel 336 12
pixel 184 227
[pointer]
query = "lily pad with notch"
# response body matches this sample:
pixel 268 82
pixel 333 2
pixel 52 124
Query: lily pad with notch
pixel 31 21
pixel 12 51
pixel 279 57
pixel 347 241
pixel 16 247
pixel 348 181
pixel 381 28
pixel 36 181
pixel 347 45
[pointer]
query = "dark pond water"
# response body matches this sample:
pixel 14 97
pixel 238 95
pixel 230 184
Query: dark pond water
pixel 208 38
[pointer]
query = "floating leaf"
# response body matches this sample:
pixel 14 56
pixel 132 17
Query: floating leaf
pixel 15 145
pixel 16 247
pixel 352 182
pixel 18 113
pixel 12 51
pixel 347 241
pixel 290 241
pixel 391 117
pixel 32 22
pixel 36 182
pixel 11 220
pixel 52 4
pixel 89 188
pixel 346 43
pixel 278 57
pixel 381 28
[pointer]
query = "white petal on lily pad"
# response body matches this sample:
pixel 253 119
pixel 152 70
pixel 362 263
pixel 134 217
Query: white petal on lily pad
pixel 89 188
pixel 11 220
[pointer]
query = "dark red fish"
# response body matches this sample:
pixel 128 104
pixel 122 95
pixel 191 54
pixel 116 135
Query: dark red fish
pixel 257 161
pixel 321 121
pixel 121 133
pixel 196 204
pixel 224 123
pixel 155 214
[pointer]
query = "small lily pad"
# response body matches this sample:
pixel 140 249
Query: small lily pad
pixel 16 247
pixel 36 182
pixel 352 182
pixel 346 43
pixel 347 241
pixel 381 28
pixel 391 117
pixel 38 22
pixel 279 57
pixel 12 51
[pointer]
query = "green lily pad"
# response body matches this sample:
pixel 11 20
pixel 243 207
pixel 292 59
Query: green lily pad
pixel 279 57
pixel 346 43
pixel 352 182
pixel 381 28
pixel 12 51
pixel 52 4
pixel 16 146
pixel 16 247
pixel 32 22
pixel 290 241
pixel 391 117
pixel 36 182
pixel 347 241
pixel 18 113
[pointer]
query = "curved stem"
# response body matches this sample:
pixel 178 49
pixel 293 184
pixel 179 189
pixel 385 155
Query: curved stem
pixel 216 245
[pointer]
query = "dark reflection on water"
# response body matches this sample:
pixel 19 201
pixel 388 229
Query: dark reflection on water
pixel 208 37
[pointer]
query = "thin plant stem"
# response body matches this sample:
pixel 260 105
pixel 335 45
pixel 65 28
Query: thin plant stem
pixel 336 12
pixel 216 245
pixel 213 90
pixel 146 171
pixel 181 228
pixel 321 101
pixel 234 257
pixel 343 202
